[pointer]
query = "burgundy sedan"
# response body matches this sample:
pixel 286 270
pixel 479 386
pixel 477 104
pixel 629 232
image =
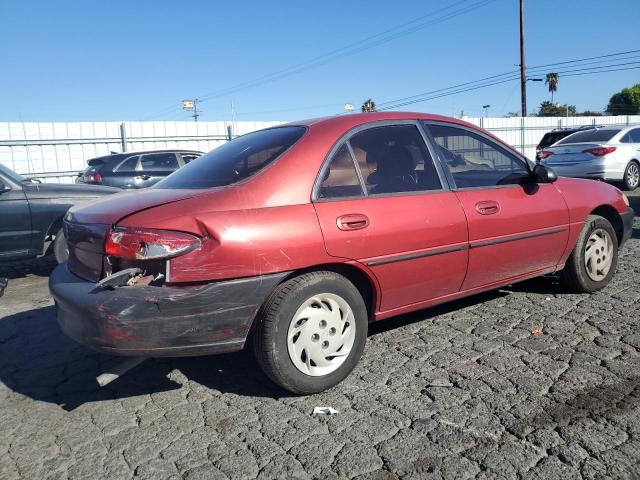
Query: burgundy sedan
pixel 300 235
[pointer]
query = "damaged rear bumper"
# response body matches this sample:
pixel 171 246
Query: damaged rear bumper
pixel 159 321
pixel 627 225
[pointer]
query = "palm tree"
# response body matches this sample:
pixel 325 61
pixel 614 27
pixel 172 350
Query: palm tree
pixel 369 106
pixel 552 81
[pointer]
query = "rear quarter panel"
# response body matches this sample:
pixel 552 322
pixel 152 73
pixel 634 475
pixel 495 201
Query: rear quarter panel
pixel 243 242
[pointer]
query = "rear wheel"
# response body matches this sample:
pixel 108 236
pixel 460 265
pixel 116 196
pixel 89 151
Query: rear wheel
pixel 594 258
pixel 60 247
pixel 631 179
pixel 311 332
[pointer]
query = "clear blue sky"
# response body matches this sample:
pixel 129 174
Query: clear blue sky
pixel 131 60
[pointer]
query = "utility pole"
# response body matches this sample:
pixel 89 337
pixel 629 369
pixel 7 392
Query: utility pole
pixel 523 74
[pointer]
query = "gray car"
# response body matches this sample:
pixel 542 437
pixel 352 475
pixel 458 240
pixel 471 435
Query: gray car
pixel 608 153
pixel 31 214
pixel 135 169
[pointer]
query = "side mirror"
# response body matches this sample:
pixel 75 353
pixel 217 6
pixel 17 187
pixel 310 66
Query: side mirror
pixel 4 187
pixel 543 174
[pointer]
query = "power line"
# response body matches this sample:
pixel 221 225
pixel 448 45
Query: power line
pixel 427 97
pixel 356 47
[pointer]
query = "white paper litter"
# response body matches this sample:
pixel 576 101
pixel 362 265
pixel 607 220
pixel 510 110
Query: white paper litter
pixel 324 411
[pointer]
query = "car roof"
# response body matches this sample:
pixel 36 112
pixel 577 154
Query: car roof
pixel 351 120
pixel 108 158
pixel 167 150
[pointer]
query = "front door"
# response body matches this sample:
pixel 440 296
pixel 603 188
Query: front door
pixel 516 227
pixel 382 201
pixel 15 223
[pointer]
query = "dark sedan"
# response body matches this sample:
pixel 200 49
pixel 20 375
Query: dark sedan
pixel 135 169
pixel 31 214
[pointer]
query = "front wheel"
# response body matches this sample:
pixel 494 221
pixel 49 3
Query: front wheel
pixel 311 332
pixel 593 260
pixel 631 179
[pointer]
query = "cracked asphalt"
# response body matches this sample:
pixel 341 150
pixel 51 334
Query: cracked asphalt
pixel 464 390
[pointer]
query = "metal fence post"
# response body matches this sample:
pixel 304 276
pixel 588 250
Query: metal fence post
pixel 123 137
pixel 522 135
pixel 229 133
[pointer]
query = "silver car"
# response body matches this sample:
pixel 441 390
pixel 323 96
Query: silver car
pixel 607 153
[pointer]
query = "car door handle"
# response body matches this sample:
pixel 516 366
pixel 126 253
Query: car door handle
pixel 143 177
pixel 352 221
pixel 488 207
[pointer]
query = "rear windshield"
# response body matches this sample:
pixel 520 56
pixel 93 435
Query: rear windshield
pixel 553 137
pixel 235 160
pixel 602 135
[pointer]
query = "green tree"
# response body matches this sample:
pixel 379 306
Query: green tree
pixel 369 106
pixel 625 102
pixel 552 81
pixel 548 109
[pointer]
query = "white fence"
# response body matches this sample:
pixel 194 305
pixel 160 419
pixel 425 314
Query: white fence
pixel 525 133
pixel 57 151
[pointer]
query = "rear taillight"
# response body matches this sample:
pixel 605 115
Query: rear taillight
pixel 148 244
pixel 538 148
pixel 600 151
pixel 93 177
pixel 545 154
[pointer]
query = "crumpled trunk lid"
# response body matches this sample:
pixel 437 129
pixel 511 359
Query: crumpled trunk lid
pixel 86 228
pixel 116 207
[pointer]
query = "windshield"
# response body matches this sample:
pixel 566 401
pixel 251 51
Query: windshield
pixel 235 160
pixel 598 135
pixel 7 172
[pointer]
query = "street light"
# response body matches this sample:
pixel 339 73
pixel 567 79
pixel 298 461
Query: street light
pixel 191 105
pixel 486 110
pixel 535 79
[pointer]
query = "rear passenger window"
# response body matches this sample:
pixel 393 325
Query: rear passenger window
pixel 394 159
pixel 159 161
pixel 187 157
pixel 340 178
pixel 129 165
pixel 475 161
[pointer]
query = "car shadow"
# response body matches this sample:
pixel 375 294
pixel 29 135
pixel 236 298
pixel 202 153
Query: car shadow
pixel 40 362
pixel 41 267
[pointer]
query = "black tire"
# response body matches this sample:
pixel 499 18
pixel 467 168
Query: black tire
pixel 275 317
pixel 575 276
pixel 631 182
pixel 60 247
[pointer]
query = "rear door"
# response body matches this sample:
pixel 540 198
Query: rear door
pixel 382 201
pixel 516 227
pixel 154 167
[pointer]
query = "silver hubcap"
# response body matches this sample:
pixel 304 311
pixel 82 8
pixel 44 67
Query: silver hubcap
pixel 321 334
pixel 598 254
pixel 633 175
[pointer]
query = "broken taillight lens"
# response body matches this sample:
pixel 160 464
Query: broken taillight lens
pixel 148 244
